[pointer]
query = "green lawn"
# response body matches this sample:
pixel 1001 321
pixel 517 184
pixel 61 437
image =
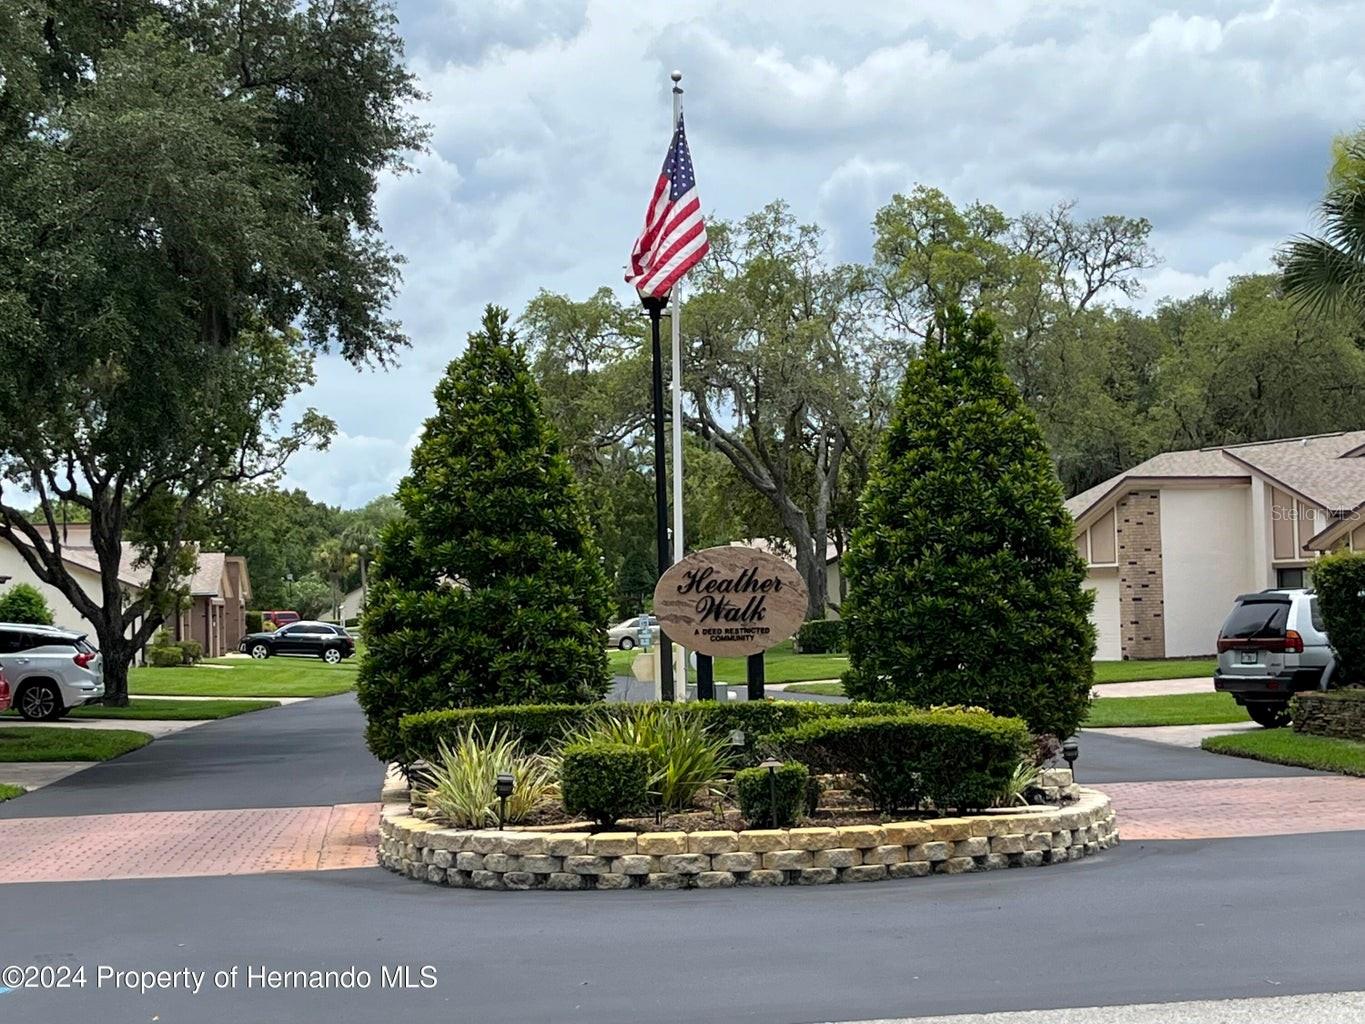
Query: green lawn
pixel 171 710
pixel 1105 672
pixel 1183 709
pixel 8 792
pixel 1285 746
pixel 272 677
pixel 781 665
pixel 827 689
pixel 32 743
pixel 1163 668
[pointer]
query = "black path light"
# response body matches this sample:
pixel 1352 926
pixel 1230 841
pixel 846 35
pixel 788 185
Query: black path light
pixel 1070 751
pixel 772 764
pixel 506 783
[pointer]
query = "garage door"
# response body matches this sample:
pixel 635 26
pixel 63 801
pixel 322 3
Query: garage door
pixel 1108 640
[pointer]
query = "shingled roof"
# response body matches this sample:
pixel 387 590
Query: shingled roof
pixel 1324 468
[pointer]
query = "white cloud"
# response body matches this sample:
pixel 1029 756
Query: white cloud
pixel 550 119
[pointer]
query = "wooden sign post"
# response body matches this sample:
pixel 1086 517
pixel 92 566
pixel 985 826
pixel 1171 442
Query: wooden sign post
pixel 730 602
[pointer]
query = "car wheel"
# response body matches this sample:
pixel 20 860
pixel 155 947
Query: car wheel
pixel 41 702
pixel 332 656
pixel 627 643
pixel 260 651
pixel 1272 715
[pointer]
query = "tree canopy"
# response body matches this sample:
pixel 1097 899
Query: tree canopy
pixel 155 321
pixel 489 589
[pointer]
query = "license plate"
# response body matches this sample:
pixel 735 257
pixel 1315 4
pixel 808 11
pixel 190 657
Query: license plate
pixel 1246 657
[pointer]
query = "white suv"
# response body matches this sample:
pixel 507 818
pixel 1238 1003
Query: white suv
pixel 50 670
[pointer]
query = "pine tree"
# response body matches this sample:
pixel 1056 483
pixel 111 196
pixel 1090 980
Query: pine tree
pixel 964 584
pixel 488 590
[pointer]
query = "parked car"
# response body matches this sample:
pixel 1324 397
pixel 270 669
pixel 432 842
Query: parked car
pixel 1273 645
pixel 4 691
pixel 50 670
pixel 304 639
pixel 625 635
pixel 280 618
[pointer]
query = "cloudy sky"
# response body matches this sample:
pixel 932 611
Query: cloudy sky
pixel 550 118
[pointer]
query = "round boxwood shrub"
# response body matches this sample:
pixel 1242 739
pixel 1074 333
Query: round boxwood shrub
pixel 952 758
pixel 605 781
pixel 754 789
pixel 964 585
pixel 25 603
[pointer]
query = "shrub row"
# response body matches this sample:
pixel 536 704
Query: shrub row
pixel 541 726
pixel 959 758
pixel 822 636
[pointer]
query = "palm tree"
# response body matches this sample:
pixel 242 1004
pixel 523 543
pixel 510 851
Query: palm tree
pixel 333 561
pixel 1326 273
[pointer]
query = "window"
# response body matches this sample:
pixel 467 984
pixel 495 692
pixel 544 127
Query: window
pixel 1257 620
pixel 1291 579
pixel 1315 615
pixel 11 641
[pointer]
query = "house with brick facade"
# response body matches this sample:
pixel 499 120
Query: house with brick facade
pixel 1171 542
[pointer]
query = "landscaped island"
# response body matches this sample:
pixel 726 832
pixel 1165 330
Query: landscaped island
pixel 710 795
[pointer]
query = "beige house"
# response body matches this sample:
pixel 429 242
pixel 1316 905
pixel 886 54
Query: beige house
pixel 219 590
pixel 1173 540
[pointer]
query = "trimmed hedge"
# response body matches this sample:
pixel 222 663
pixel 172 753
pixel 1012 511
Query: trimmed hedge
pixel 254 622
pixel 950 757
pixel 822 636
pixel 536 726
pixel 541 726
pixel 606 781
pixel 1339 580
pixel 754 789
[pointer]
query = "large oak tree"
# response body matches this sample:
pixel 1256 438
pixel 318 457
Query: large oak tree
pixel 186 216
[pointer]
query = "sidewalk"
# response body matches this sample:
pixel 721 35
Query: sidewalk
pixel 1175 735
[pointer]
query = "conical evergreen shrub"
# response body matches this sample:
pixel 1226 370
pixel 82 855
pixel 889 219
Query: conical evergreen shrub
pixel 964 584
pixel 488 590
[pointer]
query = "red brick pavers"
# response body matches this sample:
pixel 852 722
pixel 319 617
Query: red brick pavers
pixel 163 844
pixel 1228 808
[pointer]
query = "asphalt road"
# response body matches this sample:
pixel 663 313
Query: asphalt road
pixel 1147 922
pixel 297 755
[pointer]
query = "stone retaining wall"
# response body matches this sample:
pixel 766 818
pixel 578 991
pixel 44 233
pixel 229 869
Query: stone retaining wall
pixel 518 859
pixel 1338 713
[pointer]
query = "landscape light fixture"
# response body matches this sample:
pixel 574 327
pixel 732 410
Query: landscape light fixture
pixel 736 737
pixel 1070 751
pixel 504 789
pixel 772 764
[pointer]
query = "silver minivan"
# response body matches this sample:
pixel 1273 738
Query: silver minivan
pixel 50 670
pixel 1273 645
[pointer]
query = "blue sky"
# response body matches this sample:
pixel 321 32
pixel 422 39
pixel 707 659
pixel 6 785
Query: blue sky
pixel 550 119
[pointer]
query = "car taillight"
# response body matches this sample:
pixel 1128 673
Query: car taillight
pixel 4 693
pixel 1293 643
pixel 83 659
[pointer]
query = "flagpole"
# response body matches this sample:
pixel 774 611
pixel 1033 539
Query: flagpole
pixel 679 548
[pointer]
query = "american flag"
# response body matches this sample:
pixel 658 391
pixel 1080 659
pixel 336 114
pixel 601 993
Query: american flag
pixel 674 236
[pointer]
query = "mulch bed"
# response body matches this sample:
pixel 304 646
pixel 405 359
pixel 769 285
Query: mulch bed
pixel 552 817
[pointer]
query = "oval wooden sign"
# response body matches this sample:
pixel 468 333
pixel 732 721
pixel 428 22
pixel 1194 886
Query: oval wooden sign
pixel 730 601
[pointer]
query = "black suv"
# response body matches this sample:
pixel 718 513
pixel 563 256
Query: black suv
pixel 307 639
